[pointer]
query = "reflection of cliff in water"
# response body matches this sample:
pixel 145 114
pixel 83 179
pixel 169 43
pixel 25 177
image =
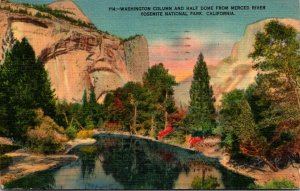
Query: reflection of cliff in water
pixel 133 164
pixel 120 162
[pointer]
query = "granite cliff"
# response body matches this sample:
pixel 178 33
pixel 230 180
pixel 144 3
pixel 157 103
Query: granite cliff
pixel 234 71
pixel 76 57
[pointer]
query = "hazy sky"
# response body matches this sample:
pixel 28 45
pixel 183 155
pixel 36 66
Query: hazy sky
pixel 177 40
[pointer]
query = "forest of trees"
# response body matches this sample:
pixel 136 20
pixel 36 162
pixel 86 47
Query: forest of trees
pixel 31 114
pixel 261 122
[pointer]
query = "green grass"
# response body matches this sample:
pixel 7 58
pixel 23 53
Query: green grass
pixel 206 183
pixel 275 184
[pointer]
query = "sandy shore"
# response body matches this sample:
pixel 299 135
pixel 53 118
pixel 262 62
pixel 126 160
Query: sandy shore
pixel 25 163
pixel 76 142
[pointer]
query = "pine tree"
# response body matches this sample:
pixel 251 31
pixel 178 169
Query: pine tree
pixel 25 84
pixel 93 99
pixel 240 132
pixel 161 83
pixel 84 99
pixel 275 96
pixel 201 114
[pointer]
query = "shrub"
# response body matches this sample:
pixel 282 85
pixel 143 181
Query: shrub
pixel 47 137
pixel 5 161
pixel 208 183
pixel 89 123
pixel 8 148
pixel 71 132
pixel 85 134
pixel 275 184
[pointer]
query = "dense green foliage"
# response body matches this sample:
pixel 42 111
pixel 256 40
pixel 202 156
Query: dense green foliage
pixel 29 104
pixel 158 80
pixel 5 161
pixel 205 183
pixel 71 132
pixel 91 113
pixel 143 108
pixel 132 106
pixel 275 184
pixel 201 114
pixel 87 115
pixel 24 87
pixel 263 121
pixel 275 98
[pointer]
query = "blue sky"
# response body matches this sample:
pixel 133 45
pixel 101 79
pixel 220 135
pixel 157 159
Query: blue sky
pixel 213 35
pixel 127 23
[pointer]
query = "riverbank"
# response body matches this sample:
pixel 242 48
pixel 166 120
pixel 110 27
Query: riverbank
pixel 264 174
pixel 210 148
pixel 76 142
pixel 26 163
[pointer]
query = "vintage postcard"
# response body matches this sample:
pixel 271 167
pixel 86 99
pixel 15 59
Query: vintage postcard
pixel 149 94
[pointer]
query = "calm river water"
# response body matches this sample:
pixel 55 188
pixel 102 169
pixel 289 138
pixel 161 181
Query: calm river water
pixel 122 162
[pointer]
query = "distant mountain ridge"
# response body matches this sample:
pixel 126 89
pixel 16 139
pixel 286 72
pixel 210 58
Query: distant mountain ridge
pixel 234 71
pixel 76 55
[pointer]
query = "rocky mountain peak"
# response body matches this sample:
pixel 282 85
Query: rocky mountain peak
pixel 77 56
pixel 235 71
pixel 71 9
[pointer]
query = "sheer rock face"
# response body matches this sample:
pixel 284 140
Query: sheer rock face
pixel 235 71
pixel 77 58
pixel 136 51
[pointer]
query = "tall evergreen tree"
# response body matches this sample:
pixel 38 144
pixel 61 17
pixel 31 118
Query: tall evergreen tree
pixel 161 83
pixel 93 99
pixel 275 97
pixel 91 113
pixel 84 99
pixel 201 114
pixel 25 84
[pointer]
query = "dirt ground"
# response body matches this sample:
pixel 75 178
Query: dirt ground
pixel 25 163
pixel 261 176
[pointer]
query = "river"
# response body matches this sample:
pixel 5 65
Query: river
pixel 123 162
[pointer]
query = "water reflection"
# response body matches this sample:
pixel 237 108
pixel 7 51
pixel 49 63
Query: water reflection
pixel 115 162
pixel 136 166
